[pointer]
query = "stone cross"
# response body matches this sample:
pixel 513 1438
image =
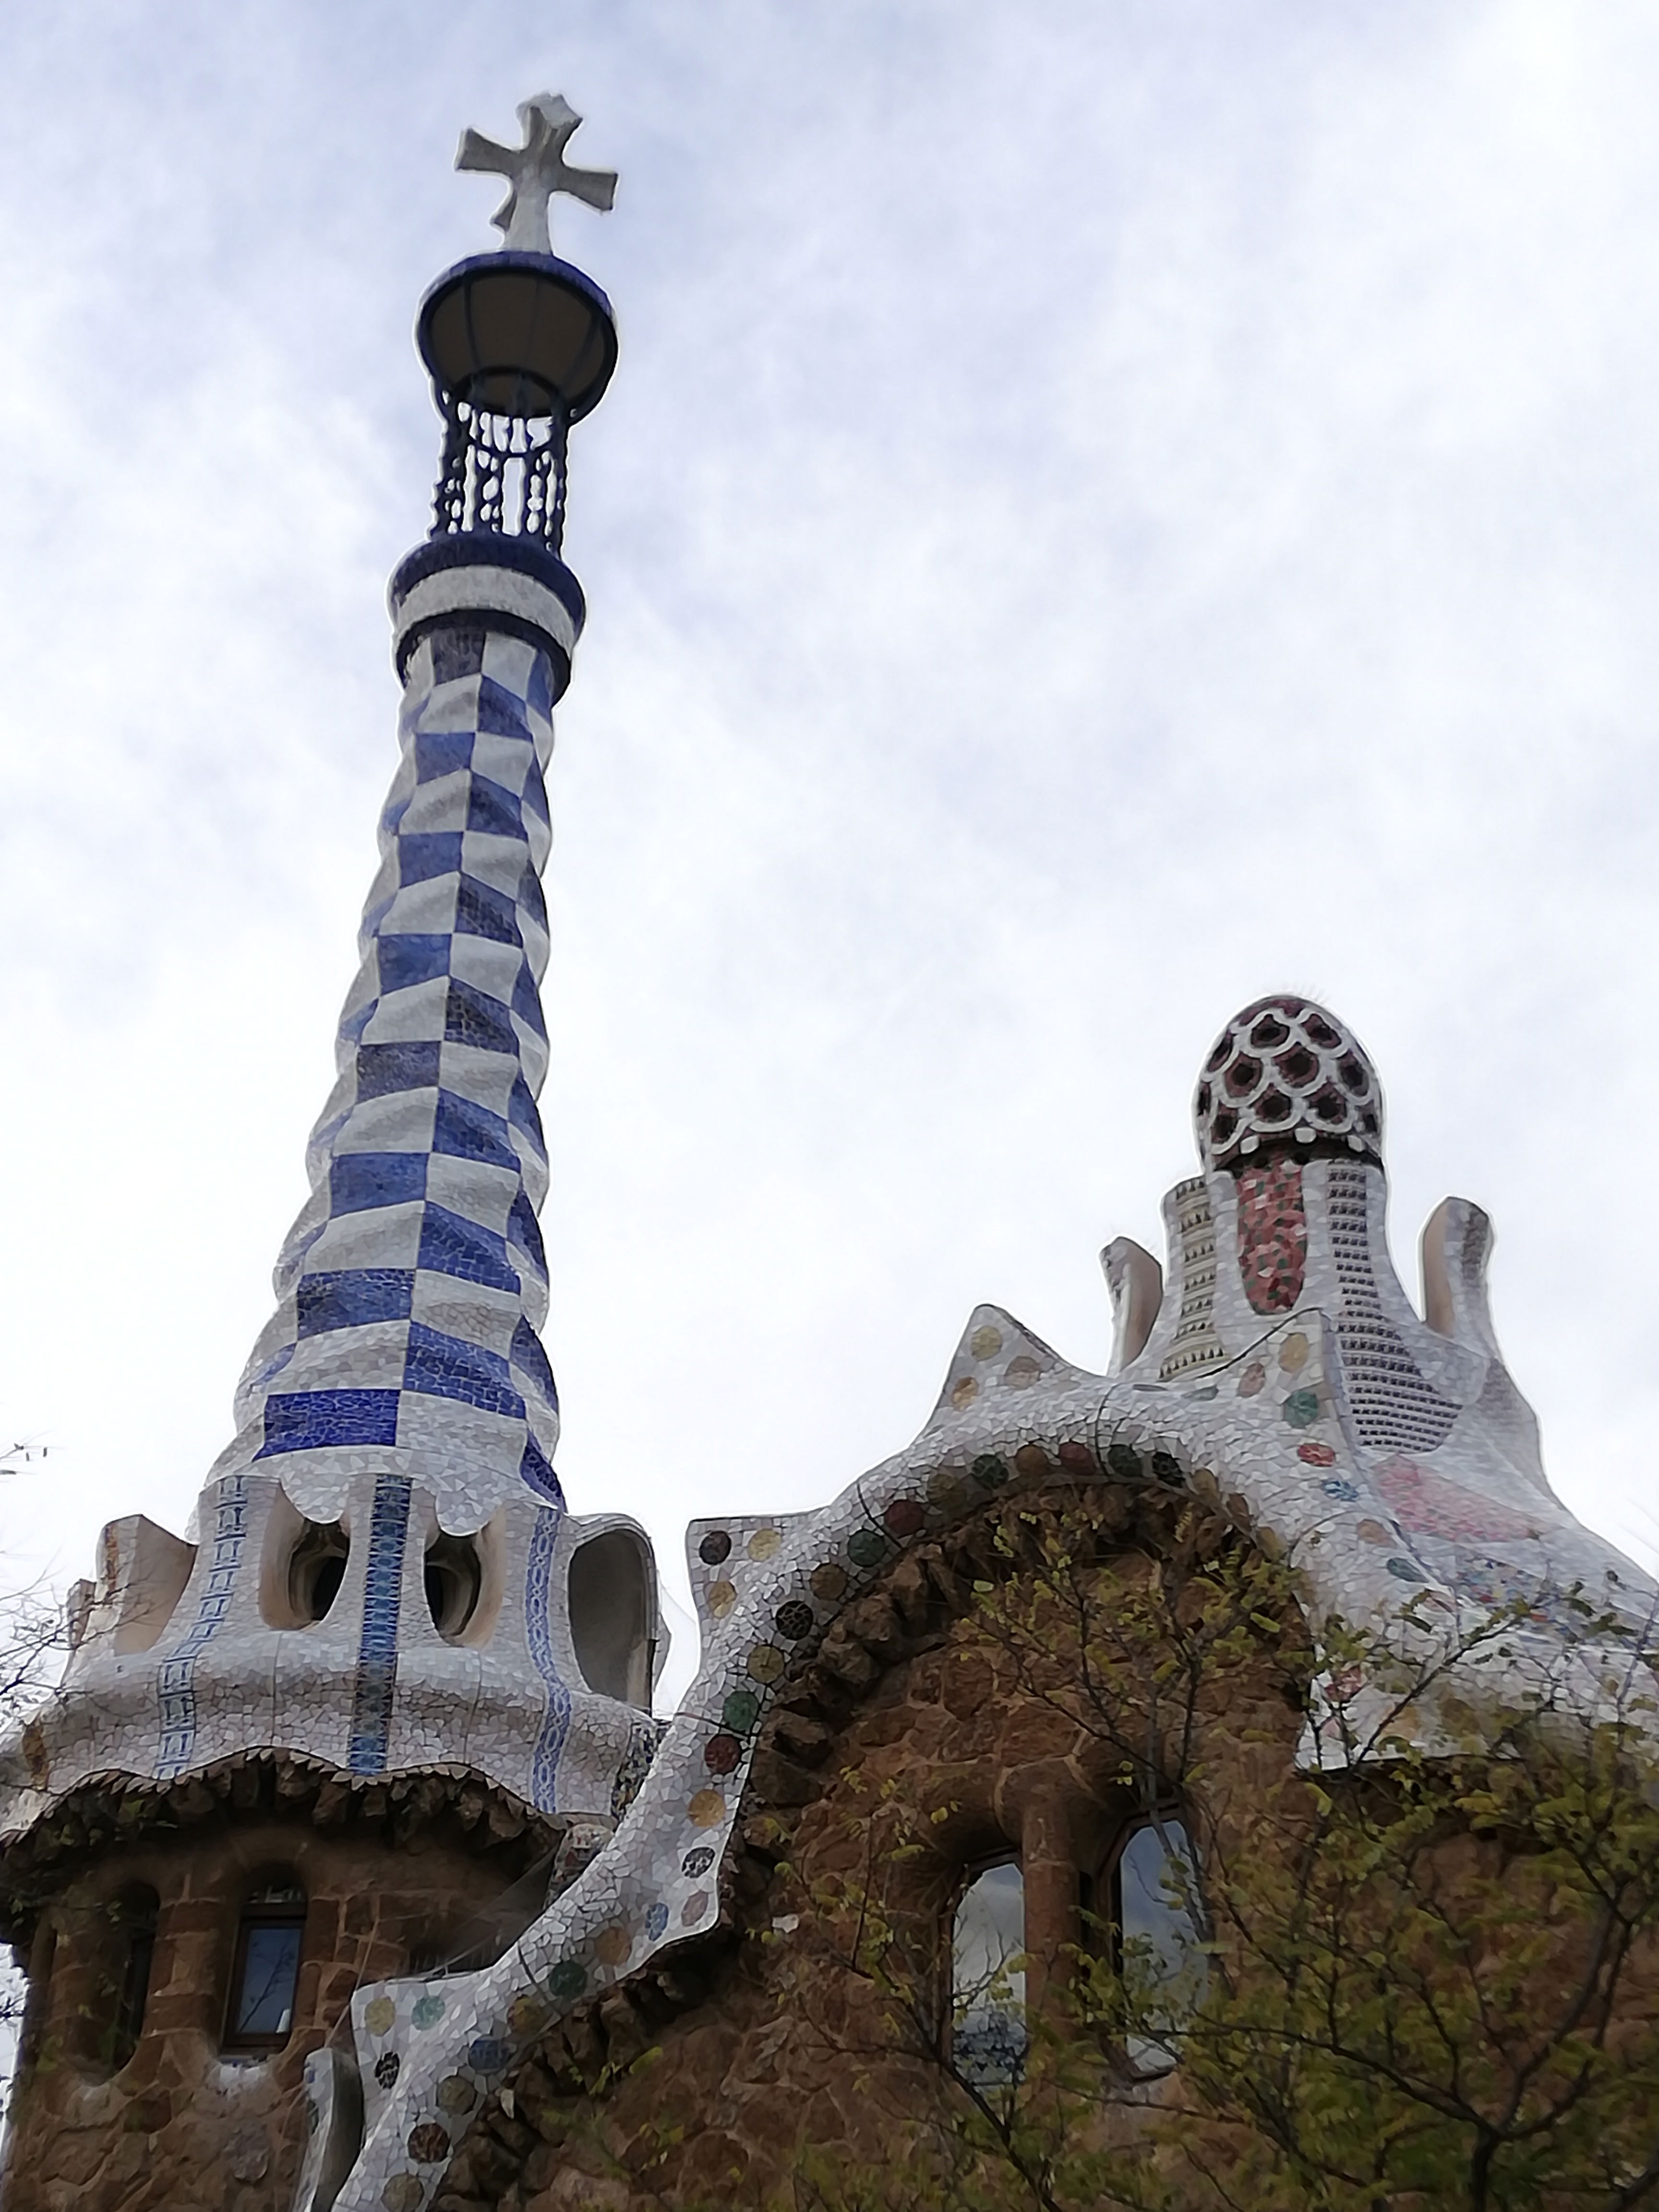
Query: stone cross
pixel 535 171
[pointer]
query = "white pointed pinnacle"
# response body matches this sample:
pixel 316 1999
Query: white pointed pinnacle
pixel 535 171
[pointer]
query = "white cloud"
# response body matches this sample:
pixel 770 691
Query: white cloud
pixel 1103 513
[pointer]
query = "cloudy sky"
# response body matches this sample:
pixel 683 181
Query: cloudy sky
pixel 1108 507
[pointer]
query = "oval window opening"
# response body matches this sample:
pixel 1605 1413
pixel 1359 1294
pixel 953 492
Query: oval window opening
pixel 316 1570
pixel 138 1912
pixel 610 1617
pixel 987 1978
pixel 454 1576
pixel 1154 1894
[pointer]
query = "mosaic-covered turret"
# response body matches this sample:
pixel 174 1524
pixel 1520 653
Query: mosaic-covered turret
pixel 382 1579
pixel 1290 1215
pixel 1386 1453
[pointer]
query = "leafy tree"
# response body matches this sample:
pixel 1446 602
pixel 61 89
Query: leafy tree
pixel 1422 1969
pixel 33 1640
pixel 1419 1959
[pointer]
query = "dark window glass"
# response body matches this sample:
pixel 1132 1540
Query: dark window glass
pixel 987 1977
pixel 1154 1888
pixel 137 1916
pixel 267 1969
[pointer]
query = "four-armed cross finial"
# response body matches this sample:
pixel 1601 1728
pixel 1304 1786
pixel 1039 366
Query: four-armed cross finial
pixel 535 171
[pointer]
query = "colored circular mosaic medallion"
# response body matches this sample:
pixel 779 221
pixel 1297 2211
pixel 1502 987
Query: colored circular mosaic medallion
pixel 722 1596
pixel 694 1909
pixel 828 1582
pixel 707 1810
pixel 794 1620
pixel 715 1548
pixel 655 1920
pixel 1301 1408
pixel 1316 1455
pixel 428 2143
pixel 612 1946
pixel 765 1662
pixel 387 2067
pixel 402 2193
pixel 428 2010
pixel 721 1754
pixel 488 2054
pixel 456 2094
pixel 569 1978
pixel 765 1543
pixel 1252 1379
pixel 741 1711
pixel 866 1547
pixel 698 1862
pixel 903 1517
pixel 380 2015
pixel 985 1342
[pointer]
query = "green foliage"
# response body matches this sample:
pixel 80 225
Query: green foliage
pixel 1427 1971
pixel 1424 1965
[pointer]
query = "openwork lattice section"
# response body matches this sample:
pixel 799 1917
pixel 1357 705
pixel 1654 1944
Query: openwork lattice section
pixel 502 473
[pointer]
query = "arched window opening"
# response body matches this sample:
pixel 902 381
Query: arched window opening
pixel 37 1997
pixel 265 1972
pixel 317 1568
pixel 610 1616
pixel 987 1978
pixel 138 1913
pixel 1150 1893
pixel 302 1566
pixel 454 1576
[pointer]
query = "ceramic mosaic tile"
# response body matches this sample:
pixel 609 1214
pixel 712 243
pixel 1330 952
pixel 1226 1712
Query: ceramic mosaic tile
pixel 1298 1410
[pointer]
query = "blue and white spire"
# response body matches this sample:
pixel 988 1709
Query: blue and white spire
pixel 414 1283
pixel 382 1577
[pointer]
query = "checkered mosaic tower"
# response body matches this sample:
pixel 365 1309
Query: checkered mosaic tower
pixel 396 1423
pixel 414 1283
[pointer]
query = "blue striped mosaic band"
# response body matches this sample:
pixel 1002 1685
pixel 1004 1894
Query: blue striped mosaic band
pixel 555 1720
pixel 175 1678
pixel 377 1651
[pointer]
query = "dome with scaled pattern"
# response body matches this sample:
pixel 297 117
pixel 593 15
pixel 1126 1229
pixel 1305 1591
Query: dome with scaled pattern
pixel 1286 1076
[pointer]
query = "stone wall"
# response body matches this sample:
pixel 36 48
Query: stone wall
pixel 919 1741
pixel 943 1723
pixel 390 1873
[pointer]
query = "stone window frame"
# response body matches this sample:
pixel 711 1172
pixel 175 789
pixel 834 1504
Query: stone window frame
pixel 85 1943
pixel 971 1872
pixel 277 1899
pixel 1101 1924
pixel 136 1909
